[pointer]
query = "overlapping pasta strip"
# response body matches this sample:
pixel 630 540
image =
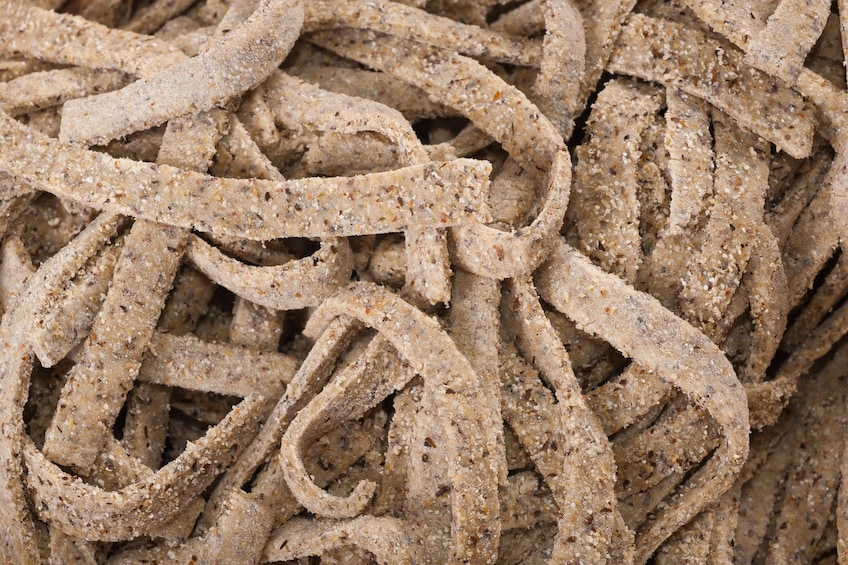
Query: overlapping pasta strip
pixel 474 527
pixel 262 302
pixel 556 281
pixel 668 53
pixel 240 62
pixel 267 209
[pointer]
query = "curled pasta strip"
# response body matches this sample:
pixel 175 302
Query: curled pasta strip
pixel 523 131
pixel 386 537
pixel 588 509
pixel 474 530
pixel 675 351
pixel 86 511
pixel 310 378
pixel 296 284
pixel 450 192
pixel 297 104
pixel 493 253
pixel 428 272
pixel 16 363
pixel 380 87
pixel 513 121
pixel 394 18
pixel 377 373
pixel 240 61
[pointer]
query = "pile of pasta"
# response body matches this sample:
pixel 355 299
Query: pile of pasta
pixel 432 281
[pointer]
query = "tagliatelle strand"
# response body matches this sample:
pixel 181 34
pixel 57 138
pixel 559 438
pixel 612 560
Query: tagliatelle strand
pixel 556 284
pixel 294 208
pixel 474 526
pixel 240 61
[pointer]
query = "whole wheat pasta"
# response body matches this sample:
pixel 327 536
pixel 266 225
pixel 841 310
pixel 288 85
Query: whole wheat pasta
pixel 152 17
pixel 726 511
pixel 67 549
pixel 621 417
pixel 394 18
pixel 813 477
pixel 125 319
pixel 554 280
pixel 790 32
pixel 45 296
pixel 427 500
pixel 689 544
pixel 525 502
pixel 767 289
pixel 526 19
pixel 297 104
pixel 244 521
pixel 239 62
pixel 503 253
pixel 310 378
pixel 593 503
pixel 255 326
pixel 193 200
pixel 380 87
pixel 354 390
pixel 401 58
pixel 619 402
pixel 636 509
pixel 145 428
pixel 645 460
pixel 705 68
pixel 86 511
pixel 429 272
pixel 256 115
pixel 690 163
pixel 340 449
pixel 512 195
pixel 385 537
pixel 106 12
pixel 83 43
pixel 605 193
pixel 190 363
pixel 37 91
pixel 562 65
pixel 474 326
pixel 295 284
pixel 239 156
pixel 391 490
pixel 67 323
pixel 16 268
pixel 257 253
pixel 497 254
pixel 757 501
pixel 730 232
pixel 474 527
pixel 467 142
pixel 817 229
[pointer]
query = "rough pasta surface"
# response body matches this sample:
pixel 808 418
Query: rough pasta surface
pixel 423 281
